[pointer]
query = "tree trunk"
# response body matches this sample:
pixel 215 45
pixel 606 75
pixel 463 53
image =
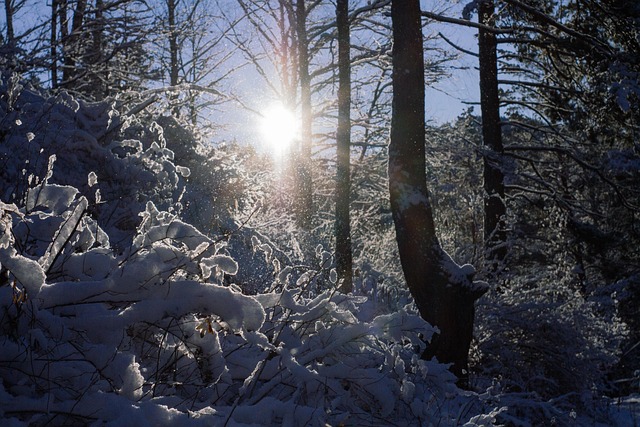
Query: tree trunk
pixel 494 208
pixel 344 260
pixel 8 12
pixel 54 44
pixel 304 179
pixel 95 58
pixel 173 54
pixel 63 6
pixel 72 42
pixel 443 291
pixel 64 21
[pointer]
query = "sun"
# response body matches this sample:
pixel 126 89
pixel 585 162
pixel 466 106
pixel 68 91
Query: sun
pixel 279 128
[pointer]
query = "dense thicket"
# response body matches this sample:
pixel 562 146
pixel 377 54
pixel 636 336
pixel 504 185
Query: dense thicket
pixel 570 77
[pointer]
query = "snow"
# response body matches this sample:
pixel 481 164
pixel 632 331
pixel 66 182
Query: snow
pixel 225 263
pixel 117 311
pixel 410 196
pixel 133 380
pixel 462 275
pixel 55 198
pixel 26 271
pixel 626 411
pixel 64 233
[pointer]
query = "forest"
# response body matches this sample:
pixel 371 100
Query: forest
pixel 320 213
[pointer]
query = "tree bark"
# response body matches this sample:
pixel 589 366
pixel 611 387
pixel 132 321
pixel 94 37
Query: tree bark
pixel 173 53
pixel 344 259
pixel 305 192
pixel 8 13
pixel 54 44
pixel 443 291
pixel 95 59
pixel 72 42
pixel 494 207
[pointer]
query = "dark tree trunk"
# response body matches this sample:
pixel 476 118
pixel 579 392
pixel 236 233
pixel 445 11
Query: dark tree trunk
pixel 173 53
pixel 8 13
pixel 96 57
pixel 54 44
pixel 494 208
pixel 344 260
pixel 304 179
pixel 72 42
pixel 63 20
pixel 62 6
pixel 443 291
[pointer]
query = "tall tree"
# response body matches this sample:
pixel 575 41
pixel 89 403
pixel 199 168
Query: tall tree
pixel 10 7
pixel 72 43
pixel 54 43
pixel 173 42
pixel 189 61
pixel 100 50
pixel 576 68
pixel 344 256
pixel 494 205
pixel 305 190
pixel 443 291
pixel 282 43
pixel 174 66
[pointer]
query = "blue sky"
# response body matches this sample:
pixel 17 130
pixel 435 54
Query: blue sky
pixel 443 101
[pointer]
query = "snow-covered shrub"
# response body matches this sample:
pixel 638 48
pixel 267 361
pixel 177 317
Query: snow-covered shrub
pixel 555 342
pixel 129 161
pixel 68 339
pixel 550 331
pixel 377 264
pixel 153 334
pixel 548 344
pixel 156 330
pixel 216 183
